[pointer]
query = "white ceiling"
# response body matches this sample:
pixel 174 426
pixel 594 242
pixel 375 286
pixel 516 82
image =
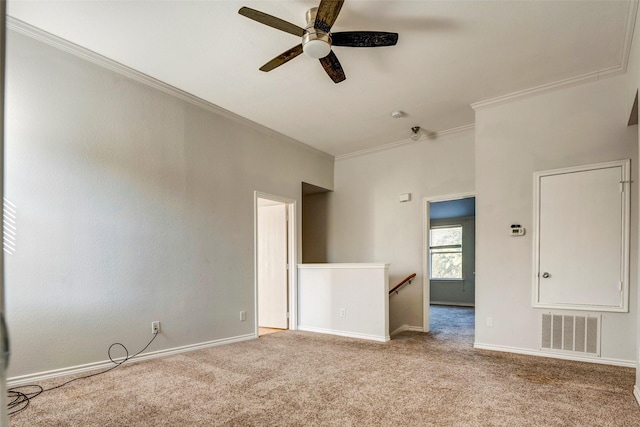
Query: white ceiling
pixel 449 55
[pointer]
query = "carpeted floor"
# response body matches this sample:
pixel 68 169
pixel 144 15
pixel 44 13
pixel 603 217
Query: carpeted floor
pixel 295 378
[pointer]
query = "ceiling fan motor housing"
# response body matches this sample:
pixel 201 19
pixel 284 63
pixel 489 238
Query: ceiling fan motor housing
pixel 315 43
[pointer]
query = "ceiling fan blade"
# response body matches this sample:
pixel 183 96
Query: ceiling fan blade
pixel 333 68
pixel 328 11
pixel 271 21
pixel 364 39
pixel 282 58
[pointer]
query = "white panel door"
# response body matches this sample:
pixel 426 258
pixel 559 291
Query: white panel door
pixel 272 266
pixel 582 243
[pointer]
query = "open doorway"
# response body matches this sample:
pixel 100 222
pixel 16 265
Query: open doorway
pixel 449 264
pixel 274 263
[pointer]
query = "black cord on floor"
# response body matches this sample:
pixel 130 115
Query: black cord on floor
pixel 19 397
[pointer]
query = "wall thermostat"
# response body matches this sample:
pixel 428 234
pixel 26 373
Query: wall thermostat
pixel 516 230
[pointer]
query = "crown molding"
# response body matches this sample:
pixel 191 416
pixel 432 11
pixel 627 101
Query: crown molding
pixel 574 81
pixel 93 57
pixel 35 33
pixel 628 34
pixel 436 135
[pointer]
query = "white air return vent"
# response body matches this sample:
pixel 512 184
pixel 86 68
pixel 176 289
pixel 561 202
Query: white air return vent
pixel 569 333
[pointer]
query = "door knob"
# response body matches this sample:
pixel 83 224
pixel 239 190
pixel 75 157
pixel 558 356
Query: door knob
pixel 545 275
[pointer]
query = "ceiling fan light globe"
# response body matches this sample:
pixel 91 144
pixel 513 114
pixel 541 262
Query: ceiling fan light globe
pixel 316 48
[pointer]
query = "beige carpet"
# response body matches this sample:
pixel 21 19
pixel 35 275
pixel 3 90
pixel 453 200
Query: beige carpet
pixel 266 331
pixel 296 378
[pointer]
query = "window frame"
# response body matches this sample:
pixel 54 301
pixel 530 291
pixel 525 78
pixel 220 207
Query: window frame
pixel 461 252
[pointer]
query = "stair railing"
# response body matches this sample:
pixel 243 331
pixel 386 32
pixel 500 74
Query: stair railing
pixel 404 281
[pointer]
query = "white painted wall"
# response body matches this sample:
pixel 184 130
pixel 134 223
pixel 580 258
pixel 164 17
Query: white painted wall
pixel 568 127
pixel 133 206
pixel 632 85
pixel 344 299
pixel 367 223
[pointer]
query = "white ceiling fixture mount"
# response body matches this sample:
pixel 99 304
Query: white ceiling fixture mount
pixel 317 38
pixel 416 133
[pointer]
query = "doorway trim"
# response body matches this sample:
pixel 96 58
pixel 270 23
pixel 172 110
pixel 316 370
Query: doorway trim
pixel 426 285
pixel 291 256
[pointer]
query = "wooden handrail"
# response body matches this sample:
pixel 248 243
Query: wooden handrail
pixel 404 281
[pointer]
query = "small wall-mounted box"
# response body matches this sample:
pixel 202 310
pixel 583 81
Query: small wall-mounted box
pixel 516 230
pixel 405 197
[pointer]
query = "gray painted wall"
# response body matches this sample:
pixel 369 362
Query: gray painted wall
pixel 133 206
pixel 458 208
pixel 314 227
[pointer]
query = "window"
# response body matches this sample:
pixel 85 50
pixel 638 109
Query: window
pixel 446 252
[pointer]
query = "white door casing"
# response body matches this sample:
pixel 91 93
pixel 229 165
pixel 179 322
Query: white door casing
pixel 292 255
pixel 4 339
pixel 581 244
pixel 426 226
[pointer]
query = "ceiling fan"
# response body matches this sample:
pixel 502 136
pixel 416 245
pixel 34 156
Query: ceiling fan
pixel 317 37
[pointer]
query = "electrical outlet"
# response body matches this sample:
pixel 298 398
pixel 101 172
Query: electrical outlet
pixel 243 316
pixel 343 312
pixel 155 327
pixel 489 321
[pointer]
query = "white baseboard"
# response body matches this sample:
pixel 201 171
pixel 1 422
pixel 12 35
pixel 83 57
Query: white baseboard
pixel 636 393
pixel 576 358
pixel 405 328
pixel 454 304
pixel 72 370
pixel 379 338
